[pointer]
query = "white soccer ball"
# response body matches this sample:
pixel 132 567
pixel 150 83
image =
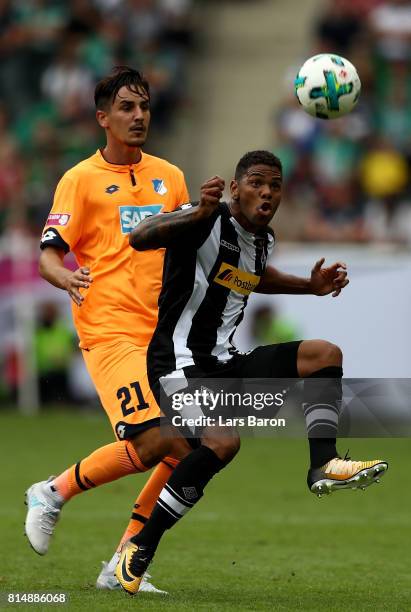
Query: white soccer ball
pixel 327 86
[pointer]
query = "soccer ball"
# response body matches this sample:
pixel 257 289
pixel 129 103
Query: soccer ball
pixel 327 86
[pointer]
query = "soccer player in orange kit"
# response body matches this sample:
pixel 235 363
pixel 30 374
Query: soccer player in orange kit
pixel 114 292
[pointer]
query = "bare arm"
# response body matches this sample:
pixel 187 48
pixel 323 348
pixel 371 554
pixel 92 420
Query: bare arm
pixel 274 281
pixel 52 269
pixel 161 231
pixel 322 281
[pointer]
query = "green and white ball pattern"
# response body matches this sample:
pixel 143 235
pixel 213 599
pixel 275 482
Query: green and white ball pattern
pixel 327 86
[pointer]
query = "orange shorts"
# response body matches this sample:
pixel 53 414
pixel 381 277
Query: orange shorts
pixel 119 373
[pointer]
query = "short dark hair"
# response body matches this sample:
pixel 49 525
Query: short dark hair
pixel 252 158
pixel 107 89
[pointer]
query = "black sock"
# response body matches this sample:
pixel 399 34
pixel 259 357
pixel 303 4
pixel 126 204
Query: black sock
pixel 183 489
pixel 322 404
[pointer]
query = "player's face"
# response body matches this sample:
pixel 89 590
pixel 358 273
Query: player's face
pixel 128 118
pixel 256 196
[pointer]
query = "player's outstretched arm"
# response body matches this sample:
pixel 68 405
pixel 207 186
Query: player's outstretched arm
pixel 164 230
pixel 52 269
pixel 274 281
pixel 322 281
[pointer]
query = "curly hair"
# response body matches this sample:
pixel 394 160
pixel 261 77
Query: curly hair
pixel 252 158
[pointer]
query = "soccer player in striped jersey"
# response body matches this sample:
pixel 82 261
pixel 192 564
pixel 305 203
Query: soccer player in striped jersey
pixel 216 256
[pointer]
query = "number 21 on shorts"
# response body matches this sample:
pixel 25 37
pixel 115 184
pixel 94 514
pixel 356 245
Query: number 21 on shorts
pixel 126 395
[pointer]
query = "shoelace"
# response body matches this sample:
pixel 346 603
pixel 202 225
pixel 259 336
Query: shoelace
pixel 351 466
pixel 48 518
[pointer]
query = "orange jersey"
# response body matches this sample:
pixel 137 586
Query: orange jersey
pixel 96 205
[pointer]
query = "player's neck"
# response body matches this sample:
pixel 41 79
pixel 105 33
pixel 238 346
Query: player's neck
pixel 121 155
pixel 241 219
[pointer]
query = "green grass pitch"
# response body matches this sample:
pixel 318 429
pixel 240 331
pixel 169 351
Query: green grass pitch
pixel 258 540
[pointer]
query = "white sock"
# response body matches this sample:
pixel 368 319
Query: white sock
pixel 111 565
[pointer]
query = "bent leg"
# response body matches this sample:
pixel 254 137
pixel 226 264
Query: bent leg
pixel 120 376
pixel 186 484
pixel 116 460
pixel 104 465
pixel 315 355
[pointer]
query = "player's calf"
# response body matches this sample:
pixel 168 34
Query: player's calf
pixel 153 444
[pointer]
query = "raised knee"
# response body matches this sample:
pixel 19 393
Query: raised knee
pixel 319 354
pixel 332 354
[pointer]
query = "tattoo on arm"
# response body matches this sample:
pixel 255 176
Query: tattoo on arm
pixel 163 230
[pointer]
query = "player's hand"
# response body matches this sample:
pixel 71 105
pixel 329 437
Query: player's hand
pixel 80 278
pixel 211 194
pixel 328 280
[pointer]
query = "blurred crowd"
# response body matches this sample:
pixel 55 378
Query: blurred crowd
pixel 52 52
pixel 60 376
pixel 345 180
pixel 349 179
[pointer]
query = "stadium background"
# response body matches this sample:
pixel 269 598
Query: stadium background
pixel 221 74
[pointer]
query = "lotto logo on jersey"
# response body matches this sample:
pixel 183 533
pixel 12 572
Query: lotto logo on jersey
pixel 58 219
pixel 49 235
pixel 236 279
pixel 131 216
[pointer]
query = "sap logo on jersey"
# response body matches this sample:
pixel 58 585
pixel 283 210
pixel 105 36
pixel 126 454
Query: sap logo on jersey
pixel 130 216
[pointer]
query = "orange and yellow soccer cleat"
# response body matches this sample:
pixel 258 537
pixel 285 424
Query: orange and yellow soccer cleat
pixel 345 474
pixel 133 562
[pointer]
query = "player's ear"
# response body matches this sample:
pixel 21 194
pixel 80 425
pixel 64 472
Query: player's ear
pixel 102 118
pixel 234 190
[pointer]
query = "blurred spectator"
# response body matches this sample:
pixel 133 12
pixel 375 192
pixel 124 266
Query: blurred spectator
pixel 68 83
pixel 390 24
pixel 384 171
pixel 10 370
pixel 269 327
pixel 11 171
pixel 385 178
pixel 338 28
pixel 54 345
pixel 338 215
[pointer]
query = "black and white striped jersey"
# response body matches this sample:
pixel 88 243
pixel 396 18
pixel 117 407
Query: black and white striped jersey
pixel 206 283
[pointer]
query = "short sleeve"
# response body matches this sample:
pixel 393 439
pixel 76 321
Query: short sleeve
pixel 197 238
pixel 64 223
